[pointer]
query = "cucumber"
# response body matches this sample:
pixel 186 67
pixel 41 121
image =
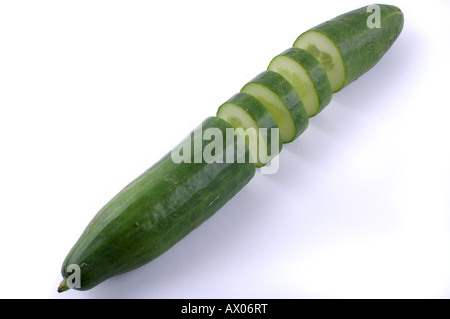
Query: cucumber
pixel 173 197
pixel 306 75
pixel 156 210
pixel 282 101
pixel 347 47
pixel 245 111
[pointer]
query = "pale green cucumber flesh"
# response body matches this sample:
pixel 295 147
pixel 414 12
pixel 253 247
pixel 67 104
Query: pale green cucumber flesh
pixel 299 79
pixel 276 107
pixel 282 101
pixel 238 118
pixel 254 122
pixel 306 75
pixel 326 52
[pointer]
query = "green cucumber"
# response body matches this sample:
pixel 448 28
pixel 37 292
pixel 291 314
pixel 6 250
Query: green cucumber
pixel 244 111
pixel 348 46
pixel 157 209
pixel 306 75
pixel 282 101
pixel 173 197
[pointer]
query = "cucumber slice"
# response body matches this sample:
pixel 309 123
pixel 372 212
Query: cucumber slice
pixel 348 47
pixel 282 101
pixel 326 52
pixel 245 111
pixel 307 76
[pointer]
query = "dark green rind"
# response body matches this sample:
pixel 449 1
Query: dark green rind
pixel 316 73
pixel 283 89
pixel 154 212
pixel 258 112
pixel 362 47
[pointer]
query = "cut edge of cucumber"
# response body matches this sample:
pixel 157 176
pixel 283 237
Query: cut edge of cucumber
pixel 276 107
pixel 300 80
pixel 238 118
pixel 327 53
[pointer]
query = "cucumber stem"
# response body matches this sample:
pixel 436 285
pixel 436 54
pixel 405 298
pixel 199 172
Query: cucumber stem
pixel 63 286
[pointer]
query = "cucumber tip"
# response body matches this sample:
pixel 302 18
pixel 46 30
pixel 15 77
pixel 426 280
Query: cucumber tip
pixel 63 286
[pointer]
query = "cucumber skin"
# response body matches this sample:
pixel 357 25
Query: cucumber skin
pixel 284 90
pixel 360 46
pixel 154 212
pixel 316 73
pixel 253 107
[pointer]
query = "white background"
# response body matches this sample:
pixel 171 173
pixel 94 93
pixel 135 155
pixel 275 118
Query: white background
pixel 92 93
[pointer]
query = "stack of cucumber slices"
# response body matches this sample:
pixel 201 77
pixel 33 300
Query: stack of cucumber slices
pixel 171 199
pixel 299 82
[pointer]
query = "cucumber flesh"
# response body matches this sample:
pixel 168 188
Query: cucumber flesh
pixel 243 111
pixel 326 52
pixel 307 76
pixel 282 101
pixel 238 118
pixel 275 107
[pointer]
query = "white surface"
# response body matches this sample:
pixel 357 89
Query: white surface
pixel 94 92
